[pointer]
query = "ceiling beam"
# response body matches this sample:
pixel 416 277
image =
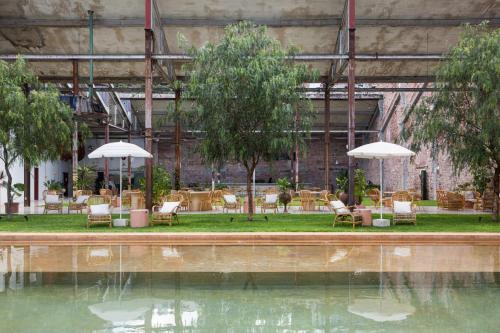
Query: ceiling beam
pixel 19 22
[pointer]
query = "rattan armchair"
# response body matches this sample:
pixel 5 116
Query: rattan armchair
pixel 455 201
pixel 216 199
pixel 79 202
pixel 404 212
pixel 343 214
pixel 166 213
pixel 322 200
pixel 231 201
pixel 306 200
pixel 53 202
pixel 96 218
pixel 268 201
pixel 442 199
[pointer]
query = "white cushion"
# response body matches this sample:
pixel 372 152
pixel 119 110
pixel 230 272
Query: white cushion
pixel 52 198
pixel 81 199
pixel 230 198
pixel 271 198
pixel 402 207
pixel 102 209
pixel 339 207
pixel 169 206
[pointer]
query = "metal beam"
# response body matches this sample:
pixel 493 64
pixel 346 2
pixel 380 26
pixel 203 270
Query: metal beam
pixel 351 123
pixel 326 153
pixel 337 67
pixel 19 22
pixel 184 57
pixel 148 91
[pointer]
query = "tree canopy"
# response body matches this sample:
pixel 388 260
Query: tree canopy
pixel 247 98
pixel 463 117
pixel 34 124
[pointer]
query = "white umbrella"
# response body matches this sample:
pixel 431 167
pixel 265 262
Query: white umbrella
pixel 119 149
pixel 380 150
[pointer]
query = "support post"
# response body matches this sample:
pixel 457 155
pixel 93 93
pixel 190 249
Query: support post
pixel 327 138
pixel 296 172
pixel 91 52
pixel 351 96
pixel 177 180
pixel 74 152
pixel 148 103
pixel 106 160
pixel 27 183
pixel 129 161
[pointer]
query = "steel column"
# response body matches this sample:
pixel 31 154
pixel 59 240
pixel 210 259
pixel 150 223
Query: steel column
pixel 91 52
pixel 129 161
pixel 177 180
pixel 106 160
pixel 74 152
pixel 350 93
pixel 327 138
pixel 148 108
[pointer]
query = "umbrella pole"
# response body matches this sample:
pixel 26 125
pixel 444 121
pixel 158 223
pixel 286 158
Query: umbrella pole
pixel 120 159
pixel 381 187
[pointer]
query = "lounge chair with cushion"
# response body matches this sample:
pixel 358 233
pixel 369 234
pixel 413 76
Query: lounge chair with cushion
pixel 99 210
pixel 269 201
pixel 166 213
pixel 79 203
pixel 53 202
pixel 404 212
pixel 343 214
pixel 231 202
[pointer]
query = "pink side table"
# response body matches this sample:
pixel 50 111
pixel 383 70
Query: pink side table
pixel 366 214
pixel 139 218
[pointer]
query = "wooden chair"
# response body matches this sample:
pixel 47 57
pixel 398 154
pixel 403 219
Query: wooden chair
pixel 343 214
pixel 231 202
pixel 167 213
pixel 404 212
pixel 173 197
pixel 107 192
pixel 401 196
pixel 268 201
pixel 127 197
pixel 322 200
pixel 488 200
pixel 96 214
pixel 216 198
pixel 306 200
pixel 455 201
pixel 374 194
pixel 442 199
pixel 185 199
pixel 53 202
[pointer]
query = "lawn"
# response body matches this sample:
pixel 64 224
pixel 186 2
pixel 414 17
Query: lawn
pixel 276 222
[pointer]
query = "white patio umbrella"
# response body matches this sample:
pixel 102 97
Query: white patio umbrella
pixel 380 150
pixel 119 149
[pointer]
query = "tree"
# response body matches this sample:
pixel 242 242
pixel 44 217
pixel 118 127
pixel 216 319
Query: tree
pixel 246 95
pixel 462 118
pixel 34 124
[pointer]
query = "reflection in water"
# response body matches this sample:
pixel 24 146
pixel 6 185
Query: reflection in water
pixel 121 300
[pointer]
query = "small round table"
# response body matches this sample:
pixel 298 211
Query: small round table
pixel 139 218
pixel 366 214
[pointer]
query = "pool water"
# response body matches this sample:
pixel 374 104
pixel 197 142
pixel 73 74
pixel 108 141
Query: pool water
pixel 100 298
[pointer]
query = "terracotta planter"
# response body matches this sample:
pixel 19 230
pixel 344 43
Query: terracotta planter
pixel 13 208
pixel 285 199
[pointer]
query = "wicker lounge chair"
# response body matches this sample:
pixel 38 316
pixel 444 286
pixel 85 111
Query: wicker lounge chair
pixel 322 200
pixel 269 201
pixel 53 202
pixel 343 214
pixel 231 202
pixel 166 213
pixel 99 210
pixel 404 212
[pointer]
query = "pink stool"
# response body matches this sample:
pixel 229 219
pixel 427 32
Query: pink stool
pixel 139 218
pixel 366 214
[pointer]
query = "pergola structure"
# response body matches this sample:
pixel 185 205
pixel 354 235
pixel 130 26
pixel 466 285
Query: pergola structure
pixel 132 47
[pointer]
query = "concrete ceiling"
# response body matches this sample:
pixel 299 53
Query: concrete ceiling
pixel 385 27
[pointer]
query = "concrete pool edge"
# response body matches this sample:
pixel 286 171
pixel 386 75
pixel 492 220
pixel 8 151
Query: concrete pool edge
pixel 253 238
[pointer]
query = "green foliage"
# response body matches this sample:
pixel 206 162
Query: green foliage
pixel 162 183
pixel 34 124
pixel 359 183
pixel 247 99
pixel 18 190
pixel 86 177
pixel 283 184
pixel 463 117
pixel 53 185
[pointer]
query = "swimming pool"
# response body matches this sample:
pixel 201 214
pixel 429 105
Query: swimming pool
pixel 217 288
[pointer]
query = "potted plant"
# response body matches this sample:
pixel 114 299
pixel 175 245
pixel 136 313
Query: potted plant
pixel 53 186
pixel 17 191
pixel 359 186
pixel 284 197
pixel 342 186
pixel 162 184
pixel 86 177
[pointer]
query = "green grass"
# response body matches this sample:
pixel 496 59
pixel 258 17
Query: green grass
pixel 277 222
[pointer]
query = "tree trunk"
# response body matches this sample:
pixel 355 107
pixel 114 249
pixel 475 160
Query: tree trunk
pixel 250 192
pixel 496 190
pixel 10 197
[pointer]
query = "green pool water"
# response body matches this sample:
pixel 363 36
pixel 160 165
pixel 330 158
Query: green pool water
pixel 249 302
